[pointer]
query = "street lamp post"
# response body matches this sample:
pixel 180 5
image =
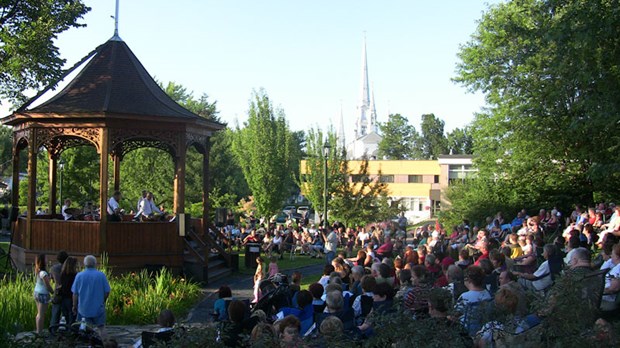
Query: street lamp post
pixel 326 148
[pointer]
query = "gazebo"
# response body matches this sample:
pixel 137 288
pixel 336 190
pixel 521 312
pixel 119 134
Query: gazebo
pixel 113 104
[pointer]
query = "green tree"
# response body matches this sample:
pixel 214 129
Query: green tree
pixel 263 149
pixel 29 58
pixel 460 141
pixel 362 199
pixel 433 141
pixel 312 181
pixel 6 147
pixel 400 139
pixel 550 74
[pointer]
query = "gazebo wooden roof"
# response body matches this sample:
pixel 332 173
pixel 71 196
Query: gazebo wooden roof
pixel 113 104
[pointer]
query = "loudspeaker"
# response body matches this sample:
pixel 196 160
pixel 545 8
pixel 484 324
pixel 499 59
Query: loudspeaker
pixel 182 224
pixel 220 217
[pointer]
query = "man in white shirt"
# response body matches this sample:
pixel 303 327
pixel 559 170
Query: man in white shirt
pixel 331 243
pixel 148 209
pixel 114 210
pixel 363 237
pixel 64 212
pixel 140 200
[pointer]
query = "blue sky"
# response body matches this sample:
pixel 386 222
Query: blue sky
pixel 306 54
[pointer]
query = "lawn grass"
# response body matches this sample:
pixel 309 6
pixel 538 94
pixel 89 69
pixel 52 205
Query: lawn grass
pixel 284 265
pixel 309 279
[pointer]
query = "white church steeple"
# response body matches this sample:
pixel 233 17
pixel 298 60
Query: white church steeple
pixel 363 108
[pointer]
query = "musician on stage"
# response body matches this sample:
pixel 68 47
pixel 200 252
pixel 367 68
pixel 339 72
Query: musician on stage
pixel 148 210
pixel 114 209
pixel 66 210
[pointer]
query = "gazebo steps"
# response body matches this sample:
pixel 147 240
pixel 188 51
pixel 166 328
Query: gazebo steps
pixel 215 269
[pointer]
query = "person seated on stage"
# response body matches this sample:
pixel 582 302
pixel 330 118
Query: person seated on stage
pixel 148 210
pixel 114 209
pixel 66 210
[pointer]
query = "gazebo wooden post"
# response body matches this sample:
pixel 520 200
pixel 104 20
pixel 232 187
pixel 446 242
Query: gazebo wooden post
pixel 32 185
pixel 117 172
pixel 103 189
pixel 53 160
pixel 15 182
pixel 179 178
pixel 205 194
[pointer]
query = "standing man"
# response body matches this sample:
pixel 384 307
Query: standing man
pixel 90 292
pixel 57 310
pixel 331 243
pixel 114 209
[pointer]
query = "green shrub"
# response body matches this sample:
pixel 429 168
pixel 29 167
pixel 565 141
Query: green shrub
pixel 17 306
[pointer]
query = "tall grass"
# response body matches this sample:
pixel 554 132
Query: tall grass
pixel 135 298
pixel 17 306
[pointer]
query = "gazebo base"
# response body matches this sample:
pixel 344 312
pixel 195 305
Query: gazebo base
pixel 129 246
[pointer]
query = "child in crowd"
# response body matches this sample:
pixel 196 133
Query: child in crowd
pixel 273 266
pixel 258 276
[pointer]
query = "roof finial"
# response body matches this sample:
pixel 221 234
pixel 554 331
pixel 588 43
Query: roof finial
pixel 116 37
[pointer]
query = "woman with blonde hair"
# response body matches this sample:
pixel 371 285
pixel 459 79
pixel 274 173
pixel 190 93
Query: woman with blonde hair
pixel 42 290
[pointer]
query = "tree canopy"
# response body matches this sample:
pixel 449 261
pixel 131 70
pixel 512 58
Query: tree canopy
pixel 550 71
pixel 264 149
pixel 400 139
pixel 28 57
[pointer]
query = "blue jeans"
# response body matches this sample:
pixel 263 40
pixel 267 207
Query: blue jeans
pixel 63 308
pixel 329 257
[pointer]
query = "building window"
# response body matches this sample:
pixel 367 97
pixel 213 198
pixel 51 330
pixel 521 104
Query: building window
pixel 436 179
pixel 386 178
pixel 460 172
pixel 415 179
pixel 359 178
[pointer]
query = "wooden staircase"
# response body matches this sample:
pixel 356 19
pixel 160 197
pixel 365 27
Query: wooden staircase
pixel 203 259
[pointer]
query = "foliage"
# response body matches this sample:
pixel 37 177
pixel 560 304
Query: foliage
pixel 6 146
pixel 475 199
pixel 138 298
pixel 551 75
pixel 363 201
pixel 227 179
pixel 433 141
pixel 264 151
pixel 400 141
pixel 134 299
pixel 147 169
pixel 30 60
pixel 313 181
pixel 18 306
pixel 460 141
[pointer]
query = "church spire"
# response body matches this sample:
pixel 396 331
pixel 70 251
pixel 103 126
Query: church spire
pixel 341 140
pixel 372 118
pixel 364 107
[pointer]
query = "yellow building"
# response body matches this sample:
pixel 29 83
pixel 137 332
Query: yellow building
pixel 419 185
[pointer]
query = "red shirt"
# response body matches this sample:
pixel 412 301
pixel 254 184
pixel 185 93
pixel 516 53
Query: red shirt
pixel 485 255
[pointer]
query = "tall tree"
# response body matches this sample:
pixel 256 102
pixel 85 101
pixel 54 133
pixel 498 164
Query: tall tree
pixel 313 181
pixel 400 139
pixel 549 70
pixel 460 141
pixel 434 142
pixel 28 57
pixel 263 148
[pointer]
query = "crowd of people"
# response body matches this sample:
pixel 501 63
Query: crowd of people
pixel 460 280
